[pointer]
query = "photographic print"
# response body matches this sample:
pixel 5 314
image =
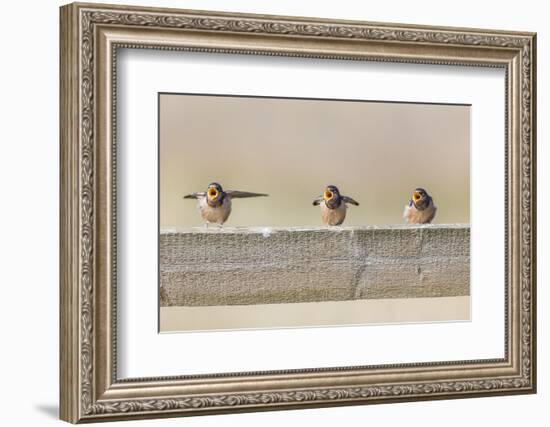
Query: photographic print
pixel 298 192
pixel 291 212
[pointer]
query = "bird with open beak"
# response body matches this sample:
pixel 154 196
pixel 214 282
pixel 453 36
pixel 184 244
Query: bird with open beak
pixel 333 205
pixel 215 203
pixel 421 208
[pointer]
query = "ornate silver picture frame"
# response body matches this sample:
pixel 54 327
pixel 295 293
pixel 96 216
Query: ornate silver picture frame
pixel 91 37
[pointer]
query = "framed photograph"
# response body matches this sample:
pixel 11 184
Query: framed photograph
pixel 266 212
pixel 304 253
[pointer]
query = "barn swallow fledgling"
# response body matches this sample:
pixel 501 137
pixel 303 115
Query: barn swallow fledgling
pixel 215 203
pixel 333 205
pixel 421 208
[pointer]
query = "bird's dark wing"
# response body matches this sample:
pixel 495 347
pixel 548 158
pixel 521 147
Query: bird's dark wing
pixel 195 195
pixel 318 201
pixel 235 194
pixel 431 217
pixel 349 200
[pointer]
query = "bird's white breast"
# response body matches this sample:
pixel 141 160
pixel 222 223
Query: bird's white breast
pixel 334 216
pixel 215 214
pixel 416 216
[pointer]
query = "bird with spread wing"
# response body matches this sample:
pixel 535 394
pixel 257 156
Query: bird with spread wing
pixel 333 205
pixel 215 203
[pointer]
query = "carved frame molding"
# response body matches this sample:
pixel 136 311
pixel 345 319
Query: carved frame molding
pixel 90 37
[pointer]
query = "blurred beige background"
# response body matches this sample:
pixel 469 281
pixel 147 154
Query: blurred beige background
pixel 375 152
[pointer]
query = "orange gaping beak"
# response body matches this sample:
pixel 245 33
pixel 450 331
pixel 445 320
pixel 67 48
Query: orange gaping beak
pixel 416 196
pixel 328 195
pixel 212 193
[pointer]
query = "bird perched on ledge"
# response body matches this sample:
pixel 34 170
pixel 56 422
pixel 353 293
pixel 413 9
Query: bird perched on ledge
pixel 215 203
pixel 333 205
pixel 421 208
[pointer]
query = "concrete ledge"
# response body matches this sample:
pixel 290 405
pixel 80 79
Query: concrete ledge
pixel 242 266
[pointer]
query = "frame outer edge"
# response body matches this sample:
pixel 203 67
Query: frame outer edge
pixel 533 112
pixel 305 19
pixel 68 213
